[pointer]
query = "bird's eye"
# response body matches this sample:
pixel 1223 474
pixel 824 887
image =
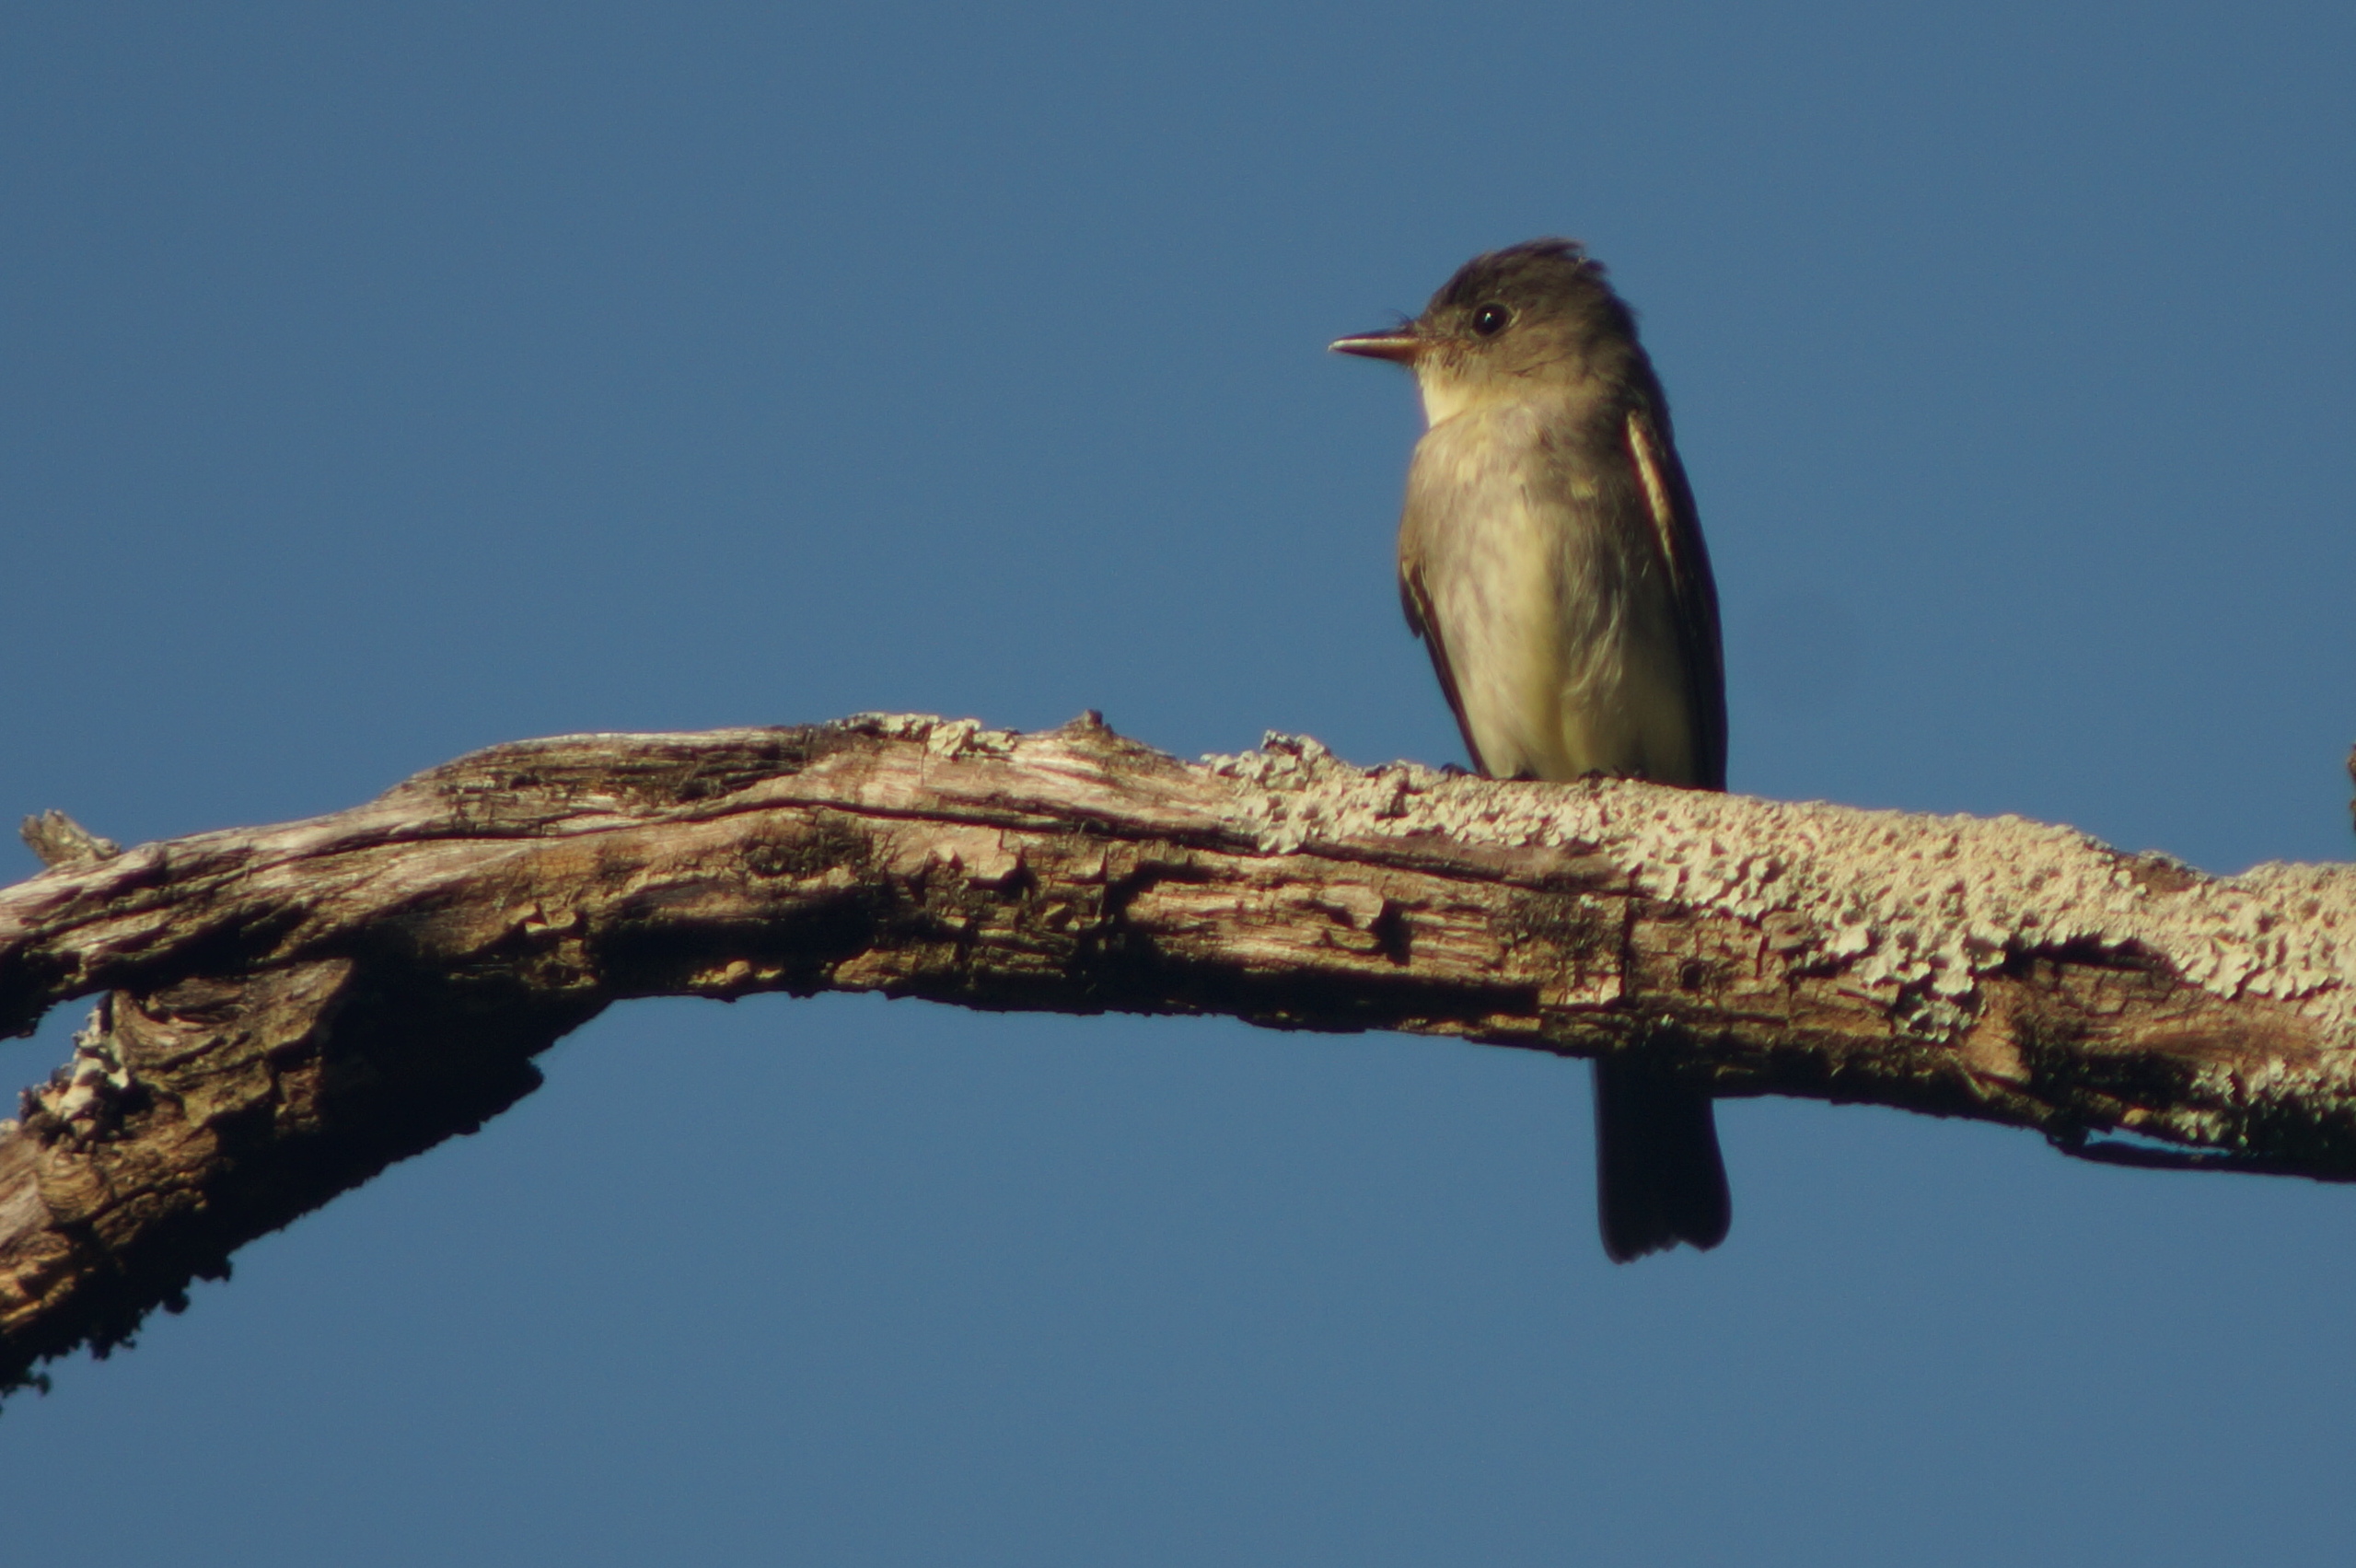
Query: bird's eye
pixel 1490 319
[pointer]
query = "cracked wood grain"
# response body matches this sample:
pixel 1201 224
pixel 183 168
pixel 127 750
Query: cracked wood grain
pixel 284 1010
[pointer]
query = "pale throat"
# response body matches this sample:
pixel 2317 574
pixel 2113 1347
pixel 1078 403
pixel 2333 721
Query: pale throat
pixel 1447 393
pixel 1445 396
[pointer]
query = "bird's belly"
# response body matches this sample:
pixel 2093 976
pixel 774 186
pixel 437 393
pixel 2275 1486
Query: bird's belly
pixel 1564 651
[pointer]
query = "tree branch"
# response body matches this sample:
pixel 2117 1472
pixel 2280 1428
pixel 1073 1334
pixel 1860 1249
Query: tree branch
pixel 286 1010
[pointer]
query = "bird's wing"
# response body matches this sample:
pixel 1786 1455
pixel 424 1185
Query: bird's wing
pixel 1416 600
pixel 1669 500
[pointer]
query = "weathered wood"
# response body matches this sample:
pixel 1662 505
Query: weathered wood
pixel 286 1010
pixel 58 839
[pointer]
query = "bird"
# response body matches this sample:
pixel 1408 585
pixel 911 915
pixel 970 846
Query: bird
pixel 1550 559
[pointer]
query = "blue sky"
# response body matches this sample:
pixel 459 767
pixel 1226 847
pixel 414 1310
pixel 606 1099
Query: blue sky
pixel 377 383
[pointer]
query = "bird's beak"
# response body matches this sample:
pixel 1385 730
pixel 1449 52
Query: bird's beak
pixel 1401 345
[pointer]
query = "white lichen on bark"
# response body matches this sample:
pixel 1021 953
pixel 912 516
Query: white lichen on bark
pixel 1926 903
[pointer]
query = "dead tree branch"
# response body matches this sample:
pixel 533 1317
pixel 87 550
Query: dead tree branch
pixel 286 1010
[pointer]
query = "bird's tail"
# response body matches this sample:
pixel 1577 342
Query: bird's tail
pixel 1659 1180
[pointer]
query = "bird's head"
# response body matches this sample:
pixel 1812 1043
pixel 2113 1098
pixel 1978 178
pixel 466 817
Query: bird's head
pixel 1525 322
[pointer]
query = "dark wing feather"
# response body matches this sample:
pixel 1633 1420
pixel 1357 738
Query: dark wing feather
pixel 1659 1177
pixel 1426 625
pixel 1660 477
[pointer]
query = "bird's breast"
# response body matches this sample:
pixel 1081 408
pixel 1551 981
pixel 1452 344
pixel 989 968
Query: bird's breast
pixel 1557 616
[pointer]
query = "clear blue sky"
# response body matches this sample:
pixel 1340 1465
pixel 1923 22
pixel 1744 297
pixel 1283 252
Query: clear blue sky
pixel 380 382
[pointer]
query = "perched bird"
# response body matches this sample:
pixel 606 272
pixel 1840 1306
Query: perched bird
pixel 1549 558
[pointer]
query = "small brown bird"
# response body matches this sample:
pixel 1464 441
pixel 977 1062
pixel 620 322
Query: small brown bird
pixel 1549 558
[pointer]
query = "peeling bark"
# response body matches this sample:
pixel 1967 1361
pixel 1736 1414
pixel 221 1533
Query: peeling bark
pixel 286 1010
